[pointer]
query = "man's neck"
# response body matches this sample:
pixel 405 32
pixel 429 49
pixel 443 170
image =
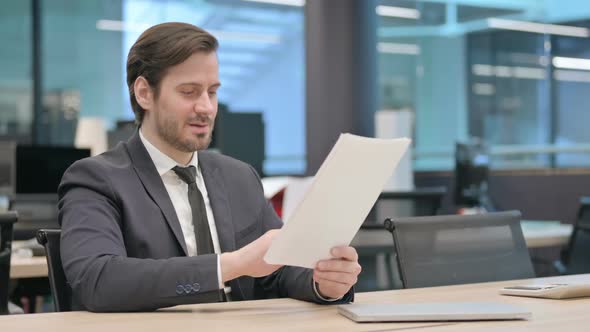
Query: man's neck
pixel 182 158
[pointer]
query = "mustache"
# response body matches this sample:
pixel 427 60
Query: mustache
pixel 201 118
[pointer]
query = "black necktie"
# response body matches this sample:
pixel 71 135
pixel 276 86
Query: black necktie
pixel 195 199
pixel 200 222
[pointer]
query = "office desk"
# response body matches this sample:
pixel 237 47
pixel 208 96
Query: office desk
pixel 32 267
pixel 537 234
pixel 291 315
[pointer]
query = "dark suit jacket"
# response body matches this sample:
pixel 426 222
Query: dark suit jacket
pixel 122 246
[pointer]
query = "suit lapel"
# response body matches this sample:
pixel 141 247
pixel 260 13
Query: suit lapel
pixel 221 211
pixel 147 173
pixel 219 202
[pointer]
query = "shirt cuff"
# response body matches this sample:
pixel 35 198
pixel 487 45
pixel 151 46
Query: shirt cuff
pixel 317 293
pixel 219 278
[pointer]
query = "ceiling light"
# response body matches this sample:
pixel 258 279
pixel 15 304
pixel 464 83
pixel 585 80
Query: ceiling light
pixel 553 29
pixel 398 48
pixel 571 63
pixel 401 12
pixel 295 3
pixel 115 25
pixel 484 89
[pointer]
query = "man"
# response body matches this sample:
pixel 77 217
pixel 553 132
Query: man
pixel 158 221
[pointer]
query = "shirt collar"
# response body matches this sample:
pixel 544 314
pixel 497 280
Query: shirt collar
pixel 161 160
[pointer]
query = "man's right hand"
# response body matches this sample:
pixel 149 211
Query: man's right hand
pixel 249 260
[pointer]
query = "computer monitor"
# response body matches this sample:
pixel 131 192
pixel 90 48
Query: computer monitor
pixel 39 168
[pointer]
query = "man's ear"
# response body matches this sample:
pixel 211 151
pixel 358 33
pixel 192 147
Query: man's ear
pixel 143 93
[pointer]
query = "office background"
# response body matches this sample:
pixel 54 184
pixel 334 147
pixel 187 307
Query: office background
pixel 463 68
pixel 458 65
pixel 513 73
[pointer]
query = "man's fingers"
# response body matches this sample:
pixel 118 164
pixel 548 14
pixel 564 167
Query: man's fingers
pixel 330 288
pixel 337 277
pixel 345 252
pixel 338 265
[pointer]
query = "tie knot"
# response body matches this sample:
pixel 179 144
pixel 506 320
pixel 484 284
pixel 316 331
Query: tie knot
pixel 186 174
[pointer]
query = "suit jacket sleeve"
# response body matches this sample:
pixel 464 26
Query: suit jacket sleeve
pixel 94 257
pixel 290 281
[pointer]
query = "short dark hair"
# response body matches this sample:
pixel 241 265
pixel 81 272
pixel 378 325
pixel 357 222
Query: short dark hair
pixel 159 48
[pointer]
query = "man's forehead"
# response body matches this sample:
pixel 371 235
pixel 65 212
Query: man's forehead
pixel 200 68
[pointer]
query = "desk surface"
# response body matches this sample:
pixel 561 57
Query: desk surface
pixel 31 267
pixel 291 315
pixel 537 234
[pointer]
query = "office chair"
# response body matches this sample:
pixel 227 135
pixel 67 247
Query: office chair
pixel 7 220
pixel 379 265
pixel 60 289
pixel 461 249
pixel 575 259
pixel 425 201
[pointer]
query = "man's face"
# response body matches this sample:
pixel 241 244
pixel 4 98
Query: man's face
pixel 184 110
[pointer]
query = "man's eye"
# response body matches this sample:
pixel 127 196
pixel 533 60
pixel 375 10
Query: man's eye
pixel 187 92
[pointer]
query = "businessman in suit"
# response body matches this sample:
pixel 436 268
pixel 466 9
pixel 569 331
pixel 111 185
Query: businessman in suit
pixel 158 221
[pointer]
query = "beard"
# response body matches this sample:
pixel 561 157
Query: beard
pixel 170 130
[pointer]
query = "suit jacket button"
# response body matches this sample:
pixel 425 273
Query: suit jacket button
pixel 196 287
pixel 180 290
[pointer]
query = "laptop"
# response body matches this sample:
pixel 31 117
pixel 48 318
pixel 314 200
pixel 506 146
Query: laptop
pixel 450 311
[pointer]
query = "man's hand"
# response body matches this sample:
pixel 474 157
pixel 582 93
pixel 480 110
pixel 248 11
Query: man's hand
pixel 249 260
pixel 335 277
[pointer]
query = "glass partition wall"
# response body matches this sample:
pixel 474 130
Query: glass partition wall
pixel 513 73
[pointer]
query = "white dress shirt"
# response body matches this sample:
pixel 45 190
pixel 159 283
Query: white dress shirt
pixel 178 192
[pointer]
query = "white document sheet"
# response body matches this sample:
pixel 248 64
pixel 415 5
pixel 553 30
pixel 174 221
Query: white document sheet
pixel 341 196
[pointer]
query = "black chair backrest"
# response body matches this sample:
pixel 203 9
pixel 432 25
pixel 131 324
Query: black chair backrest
pixel 577 255
pixel 60 289
pixel 7 220
pixel 460 249
pixel 425 201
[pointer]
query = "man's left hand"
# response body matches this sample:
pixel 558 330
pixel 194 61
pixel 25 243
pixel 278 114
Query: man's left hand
pixel 335 277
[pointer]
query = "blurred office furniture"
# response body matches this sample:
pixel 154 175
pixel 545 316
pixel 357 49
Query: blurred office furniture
pixel 28 276
pixel 38 172
pixel 545 233
pixel 121 133
pixel 39 168
pixel 28 267
pixel 36 211
pixel 241 136
pixel 61 109
pixel 424 201
pixel 91 134
pixel 7 220
pixel 472 164
pixel 449 250
pixel 575 258
pixel 60 289
pixel 379 264
pixel 537 234
pixel 7 167
pixel 395 124
pixel 34 169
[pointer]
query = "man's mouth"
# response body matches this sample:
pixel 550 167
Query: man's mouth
pixel 199 127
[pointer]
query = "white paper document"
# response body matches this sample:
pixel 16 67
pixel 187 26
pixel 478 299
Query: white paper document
pixel 341 196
